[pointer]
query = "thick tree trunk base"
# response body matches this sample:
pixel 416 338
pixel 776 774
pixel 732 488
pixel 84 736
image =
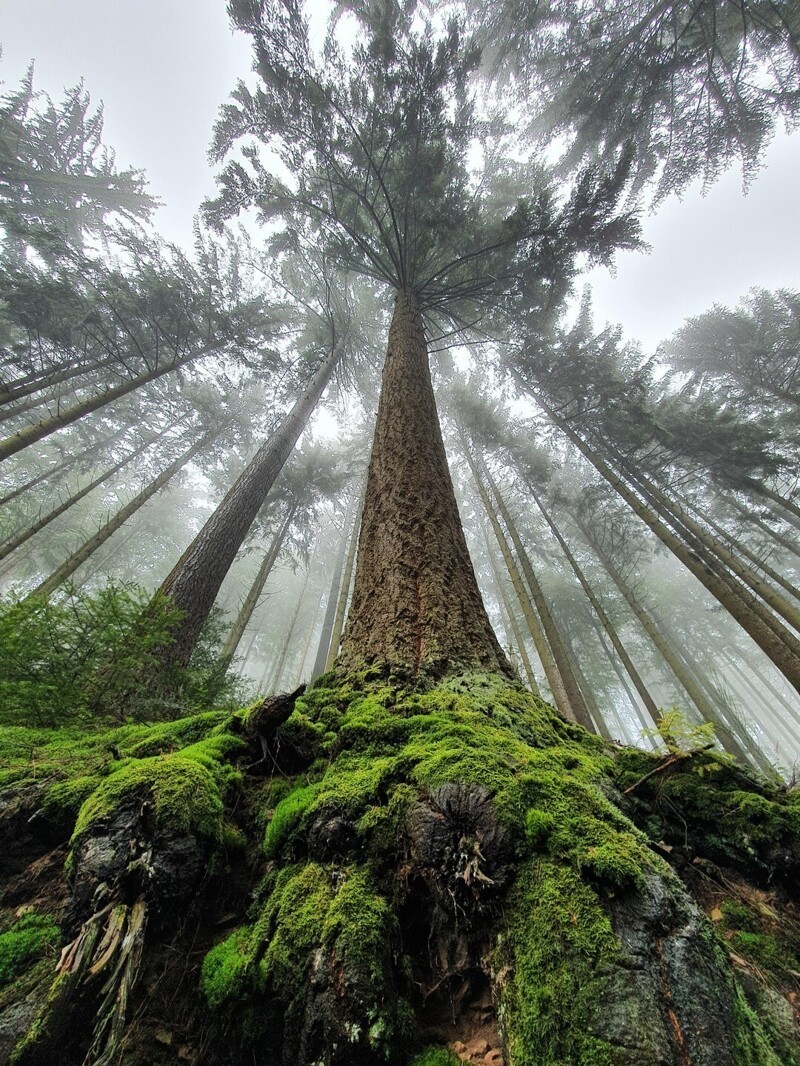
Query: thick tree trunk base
pixel 393 876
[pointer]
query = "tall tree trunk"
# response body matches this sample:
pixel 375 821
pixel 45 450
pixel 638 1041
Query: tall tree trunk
pixel 781 647
pixel 557 646
pixel 416 604
pixel 624 680
pixel 31 434
pixel 254 593
pixel 601 613
pixel 344 591
pixel 70 565
pixel 195 580
pixel 698 538
pixel 63 465
pixel 776 726
pixel 27 386
pixel 543 650
pixel 742 748
pixel 747 514
pixel 765 681
pixel 508 609
pixel 323 647
pixel 101 559
pixel 20 539
pixel 773 575
pixel 791 508
pixel 582 681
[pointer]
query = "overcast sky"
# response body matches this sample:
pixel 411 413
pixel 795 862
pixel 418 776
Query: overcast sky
pixel 163 67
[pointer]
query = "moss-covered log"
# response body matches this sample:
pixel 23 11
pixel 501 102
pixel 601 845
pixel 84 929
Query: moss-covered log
pixel 406 875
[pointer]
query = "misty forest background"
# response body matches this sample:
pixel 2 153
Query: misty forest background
pixel 186 433
pixel 139 379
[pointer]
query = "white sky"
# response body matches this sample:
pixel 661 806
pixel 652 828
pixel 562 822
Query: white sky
pixel 163 67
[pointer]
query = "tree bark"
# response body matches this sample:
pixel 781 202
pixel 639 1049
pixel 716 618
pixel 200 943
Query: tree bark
pixel 416 605
pixel 195 580
pixel 69 566
pixel 254 593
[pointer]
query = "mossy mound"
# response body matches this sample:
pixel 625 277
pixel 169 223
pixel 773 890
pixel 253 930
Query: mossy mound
pixel 431 868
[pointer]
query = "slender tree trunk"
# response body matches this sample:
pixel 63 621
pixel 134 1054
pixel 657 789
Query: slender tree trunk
pixel 551 671
pixel 64 465
pixel 69 566
pixel 765 681
pixel 20 539
pixel 416 604
pixel 781 647
pixel 323 647
pixel 557 646
pixel 101 559
pixel 27 386
pixel 760 489
pixel 742 748
pixel 601 613
pixel 583 683
pixel 196 578
pixel 344 591
pixel 278 671
pixel 251 599
pixel 31 434
pixel 624 680
pixel 698 538
pixel 298 674
pixel 777 726
pixel 505 603
pixel 773 575
pixel 790 546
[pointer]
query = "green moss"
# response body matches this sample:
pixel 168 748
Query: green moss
pixel 26 941
pixel 557 942
pixel 227 973
pixel 733 819
pixel 184 792
pixel 359 928
pixel 752 1046
pixel 765 949
pixel 437 1056
pixel 287 817
pixel 738 915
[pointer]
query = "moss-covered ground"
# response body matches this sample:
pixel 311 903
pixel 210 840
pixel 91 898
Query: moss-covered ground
pixel 342 824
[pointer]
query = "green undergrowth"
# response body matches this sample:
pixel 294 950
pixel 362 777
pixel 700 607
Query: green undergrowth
pixel 27 940
pixel 185 766
pixel 726 814
pixel 437 1056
